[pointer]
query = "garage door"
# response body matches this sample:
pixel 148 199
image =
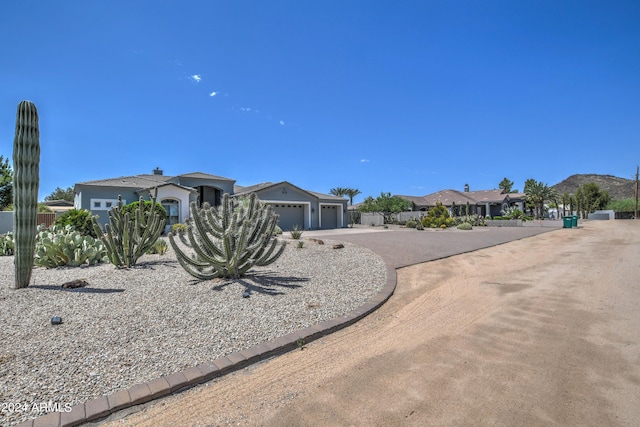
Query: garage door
pixel 329 218
pixel 291 215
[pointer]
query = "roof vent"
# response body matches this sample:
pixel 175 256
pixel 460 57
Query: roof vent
pixel 466 188
pixel 157 171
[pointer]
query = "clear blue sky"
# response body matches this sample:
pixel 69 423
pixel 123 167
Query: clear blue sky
pixel 407 97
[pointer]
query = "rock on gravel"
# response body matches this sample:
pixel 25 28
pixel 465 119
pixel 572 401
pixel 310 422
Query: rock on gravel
pixel 129 326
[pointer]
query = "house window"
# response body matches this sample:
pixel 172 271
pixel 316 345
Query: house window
pixel 172 208
pixel 104 204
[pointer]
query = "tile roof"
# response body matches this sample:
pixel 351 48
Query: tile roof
pixel 240 190
pixel 447 197
pixel 149 180
pixel 203 175
pixel 134 181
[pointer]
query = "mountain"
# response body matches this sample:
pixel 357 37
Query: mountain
pixel 618 188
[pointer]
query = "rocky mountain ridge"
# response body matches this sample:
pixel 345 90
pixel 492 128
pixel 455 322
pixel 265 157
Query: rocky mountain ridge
pixel 618 188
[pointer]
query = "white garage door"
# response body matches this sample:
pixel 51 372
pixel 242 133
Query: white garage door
pixel 329 218
pixel 291 215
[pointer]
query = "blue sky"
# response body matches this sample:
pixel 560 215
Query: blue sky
pixel 406 97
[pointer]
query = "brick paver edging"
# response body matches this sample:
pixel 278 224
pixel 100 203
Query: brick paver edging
pixel 104 406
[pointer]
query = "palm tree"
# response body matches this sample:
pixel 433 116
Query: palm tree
pixel 566 201
pixel 537 193
pixel 351 193
pixel 338 191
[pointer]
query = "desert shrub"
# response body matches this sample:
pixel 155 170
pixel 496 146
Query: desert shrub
pixel 474 220
pixel 64 246
pixel 131 208
pixel 437 217
pixel 296 233
pixel 411 223
pixel 159 247
pixel 79 220
pixel 7 245
pixel 277 231
pixel 515 213
pixel 178 228
pixel 419 226
pixel 464 226
pixel 43 208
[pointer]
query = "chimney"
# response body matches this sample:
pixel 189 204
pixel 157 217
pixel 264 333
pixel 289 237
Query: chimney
pixel 157 171
pixel 466 188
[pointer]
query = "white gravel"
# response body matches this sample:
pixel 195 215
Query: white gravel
pixel 134 325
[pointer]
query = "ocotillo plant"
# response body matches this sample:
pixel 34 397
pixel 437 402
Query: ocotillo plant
pixel 229 239
pixel 26 180
pixel 125 238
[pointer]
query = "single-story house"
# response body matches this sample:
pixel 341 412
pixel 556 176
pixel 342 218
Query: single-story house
pixel 58 206
pixel 482 202
pixel 302 208
pixel 296 207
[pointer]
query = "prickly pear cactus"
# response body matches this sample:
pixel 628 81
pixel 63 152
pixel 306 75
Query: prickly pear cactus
pixel 26 180
pixel 63 246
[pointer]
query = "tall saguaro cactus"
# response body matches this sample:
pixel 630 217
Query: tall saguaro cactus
pixel 26 180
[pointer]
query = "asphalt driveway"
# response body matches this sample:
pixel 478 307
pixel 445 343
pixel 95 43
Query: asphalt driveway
pixel 402 247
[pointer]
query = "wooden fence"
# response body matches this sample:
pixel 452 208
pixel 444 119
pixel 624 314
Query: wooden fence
pixel 46 218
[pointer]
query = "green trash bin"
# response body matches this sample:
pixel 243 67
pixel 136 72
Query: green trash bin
pixel 574 223
pixel 567 222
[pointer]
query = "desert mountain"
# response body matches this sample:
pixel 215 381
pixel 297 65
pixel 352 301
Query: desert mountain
pixel 618 188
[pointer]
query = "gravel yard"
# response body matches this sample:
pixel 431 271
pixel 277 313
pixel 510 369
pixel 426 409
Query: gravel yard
pixel 134 325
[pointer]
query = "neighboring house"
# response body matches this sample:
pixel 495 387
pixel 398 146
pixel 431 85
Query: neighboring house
pixel 295 205
pixel 58 206
pixel 483 202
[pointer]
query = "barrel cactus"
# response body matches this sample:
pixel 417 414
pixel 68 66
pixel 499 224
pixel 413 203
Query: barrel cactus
pixel 127 237
pixel 229 239
pixel 26 180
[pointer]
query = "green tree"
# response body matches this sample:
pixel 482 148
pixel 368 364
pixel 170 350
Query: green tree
pixel 622 205
pixel 60 194
pixel 386 204
pixel 592 198
pixel 6 183
pixel 506 185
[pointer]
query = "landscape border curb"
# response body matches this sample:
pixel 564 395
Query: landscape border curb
pixel 103 406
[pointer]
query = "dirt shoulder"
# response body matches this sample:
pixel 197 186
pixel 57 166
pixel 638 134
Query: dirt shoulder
pixel 540 331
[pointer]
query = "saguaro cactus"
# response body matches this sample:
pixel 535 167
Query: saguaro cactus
pixel 228 240
pixel 126 239
pixel 26 180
